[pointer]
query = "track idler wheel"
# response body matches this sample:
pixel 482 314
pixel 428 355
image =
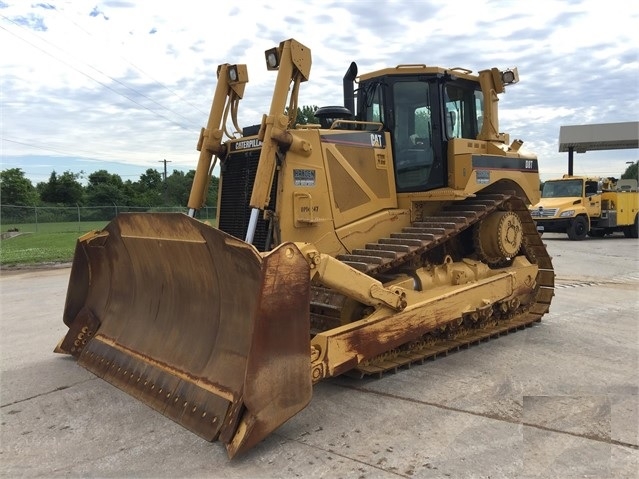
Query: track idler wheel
pixel 499 237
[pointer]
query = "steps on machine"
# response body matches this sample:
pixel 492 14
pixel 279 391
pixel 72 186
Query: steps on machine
pixel 421 236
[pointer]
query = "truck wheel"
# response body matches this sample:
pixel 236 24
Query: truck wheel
pixel 633 230
pixel 578 229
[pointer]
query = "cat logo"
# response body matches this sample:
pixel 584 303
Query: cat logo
pixel 376 140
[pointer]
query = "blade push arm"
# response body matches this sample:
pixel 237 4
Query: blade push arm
pixel 336 275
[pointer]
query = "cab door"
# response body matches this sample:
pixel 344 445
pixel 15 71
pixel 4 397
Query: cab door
pixel 592 199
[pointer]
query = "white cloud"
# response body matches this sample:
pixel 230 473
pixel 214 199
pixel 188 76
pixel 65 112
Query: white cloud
pixel 130 82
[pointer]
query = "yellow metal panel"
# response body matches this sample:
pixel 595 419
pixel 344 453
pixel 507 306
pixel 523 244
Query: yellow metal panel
pixel 627 207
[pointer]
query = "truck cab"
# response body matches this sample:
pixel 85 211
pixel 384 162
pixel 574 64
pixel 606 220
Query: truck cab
pixel 587 206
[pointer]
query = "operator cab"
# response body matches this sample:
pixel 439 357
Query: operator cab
pixel 422 108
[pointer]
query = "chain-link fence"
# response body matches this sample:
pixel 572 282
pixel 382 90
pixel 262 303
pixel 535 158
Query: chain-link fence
pixel 51 219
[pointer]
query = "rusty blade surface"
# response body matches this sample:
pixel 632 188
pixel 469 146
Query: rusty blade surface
pixel 278 376
pixel 194 323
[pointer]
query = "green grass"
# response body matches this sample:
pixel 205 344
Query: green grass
pixel 31 249
pixel 48 243
pixel 57 227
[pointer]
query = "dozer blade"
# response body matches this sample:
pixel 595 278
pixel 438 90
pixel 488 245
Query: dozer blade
pixel 194 323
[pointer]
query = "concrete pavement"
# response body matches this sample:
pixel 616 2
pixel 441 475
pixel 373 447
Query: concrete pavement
pixel 559 399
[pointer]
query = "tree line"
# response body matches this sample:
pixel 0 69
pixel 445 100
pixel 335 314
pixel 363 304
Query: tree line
pixel 102 189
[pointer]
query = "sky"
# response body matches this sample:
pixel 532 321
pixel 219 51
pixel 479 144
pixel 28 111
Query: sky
pixel 125 85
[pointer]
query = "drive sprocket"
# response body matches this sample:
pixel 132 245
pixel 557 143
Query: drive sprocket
pixel 498 237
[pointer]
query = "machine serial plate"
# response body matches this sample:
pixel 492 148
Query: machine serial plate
pixel 304 177
pixel 483 177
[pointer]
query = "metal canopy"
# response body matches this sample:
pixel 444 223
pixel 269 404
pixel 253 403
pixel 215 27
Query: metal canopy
pixel 604 136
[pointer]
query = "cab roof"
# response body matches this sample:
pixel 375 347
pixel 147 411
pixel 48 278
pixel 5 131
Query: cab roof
pixel 419 69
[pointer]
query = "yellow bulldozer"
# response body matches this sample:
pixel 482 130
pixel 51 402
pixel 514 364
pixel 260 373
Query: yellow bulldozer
pixel 394 230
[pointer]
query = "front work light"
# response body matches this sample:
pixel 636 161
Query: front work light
pixel 272 59
pixel 509 76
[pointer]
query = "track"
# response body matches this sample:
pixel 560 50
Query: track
pixel 421 239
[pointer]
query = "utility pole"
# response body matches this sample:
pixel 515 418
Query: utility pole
pixel 165 190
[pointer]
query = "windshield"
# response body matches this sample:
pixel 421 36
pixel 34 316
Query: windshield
pixel 562 189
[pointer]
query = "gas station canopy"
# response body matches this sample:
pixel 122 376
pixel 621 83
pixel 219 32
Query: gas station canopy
pixel 604 136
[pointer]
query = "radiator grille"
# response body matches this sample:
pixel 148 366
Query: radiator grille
pixel 543 213
pixel 238 176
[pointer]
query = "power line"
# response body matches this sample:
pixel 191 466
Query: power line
pixel 55 150
pixel 95 79
pixel 89 34
pixel 77 157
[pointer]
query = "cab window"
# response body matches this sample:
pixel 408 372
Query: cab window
pixel 463 111
pixel 412 131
